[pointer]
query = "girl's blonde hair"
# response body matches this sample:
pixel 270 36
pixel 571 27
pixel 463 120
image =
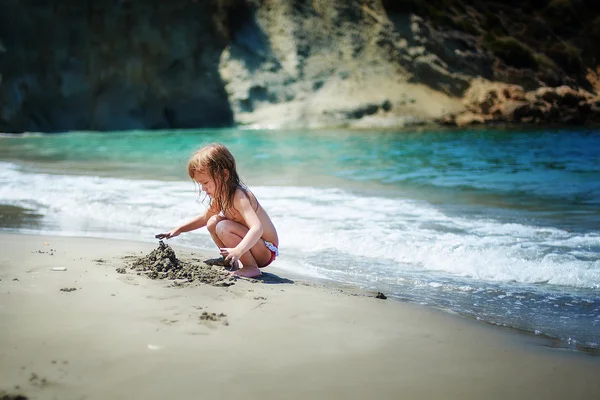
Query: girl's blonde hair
pixel 214 159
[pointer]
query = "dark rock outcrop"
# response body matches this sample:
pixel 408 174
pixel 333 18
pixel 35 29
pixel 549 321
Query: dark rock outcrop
pixel 108 65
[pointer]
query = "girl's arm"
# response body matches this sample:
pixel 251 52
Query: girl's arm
pixel 196 223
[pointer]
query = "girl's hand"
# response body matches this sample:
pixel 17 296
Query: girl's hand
pixel 168 235
pixel 231 255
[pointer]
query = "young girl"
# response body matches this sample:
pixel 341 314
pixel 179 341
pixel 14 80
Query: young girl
pixel 235 219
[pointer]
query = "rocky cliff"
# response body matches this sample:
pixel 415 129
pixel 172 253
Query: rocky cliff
pixel 133 64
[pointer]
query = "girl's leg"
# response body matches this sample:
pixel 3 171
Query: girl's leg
pixel 211 226
pixel 230 233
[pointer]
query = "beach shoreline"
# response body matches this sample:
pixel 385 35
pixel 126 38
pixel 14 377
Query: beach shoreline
pixel 90 332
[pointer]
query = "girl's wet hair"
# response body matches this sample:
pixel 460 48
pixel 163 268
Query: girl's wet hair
pixel 214 159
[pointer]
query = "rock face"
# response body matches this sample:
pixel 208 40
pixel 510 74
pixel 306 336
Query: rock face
pixel 331 63
pixel 132 64
pixel 110 65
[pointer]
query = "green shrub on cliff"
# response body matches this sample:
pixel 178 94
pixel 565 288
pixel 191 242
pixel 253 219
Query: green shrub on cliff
pixel 562 17
pixel 567 56
pixel 557 40
pixel 512 51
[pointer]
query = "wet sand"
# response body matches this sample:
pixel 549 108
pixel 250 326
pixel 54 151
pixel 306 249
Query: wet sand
pixel 90 332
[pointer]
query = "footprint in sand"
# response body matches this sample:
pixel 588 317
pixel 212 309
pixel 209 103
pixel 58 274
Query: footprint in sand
pixel 211 319
pixel 35 380
pixel 129 279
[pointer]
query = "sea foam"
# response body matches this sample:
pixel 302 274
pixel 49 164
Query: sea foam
pixel 376 237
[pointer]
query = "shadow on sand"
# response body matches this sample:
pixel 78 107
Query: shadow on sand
pixel 270 278
pixel 266 277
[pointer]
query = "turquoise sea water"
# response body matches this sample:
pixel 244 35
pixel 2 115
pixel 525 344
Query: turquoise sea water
pixel 502 226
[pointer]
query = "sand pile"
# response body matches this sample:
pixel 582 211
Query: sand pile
pixel 162 263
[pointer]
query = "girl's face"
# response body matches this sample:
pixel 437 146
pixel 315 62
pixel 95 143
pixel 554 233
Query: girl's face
pixel 206 183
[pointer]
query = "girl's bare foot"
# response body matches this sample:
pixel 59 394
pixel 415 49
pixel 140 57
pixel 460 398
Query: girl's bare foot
pixel 248 272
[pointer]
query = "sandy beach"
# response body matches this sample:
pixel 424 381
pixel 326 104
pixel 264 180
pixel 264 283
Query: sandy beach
pixel 86 331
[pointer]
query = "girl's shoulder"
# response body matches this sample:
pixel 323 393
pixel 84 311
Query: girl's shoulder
pixel 242 193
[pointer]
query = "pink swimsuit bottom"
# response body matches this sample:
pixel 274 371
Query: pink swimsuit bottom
pixel 274 252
